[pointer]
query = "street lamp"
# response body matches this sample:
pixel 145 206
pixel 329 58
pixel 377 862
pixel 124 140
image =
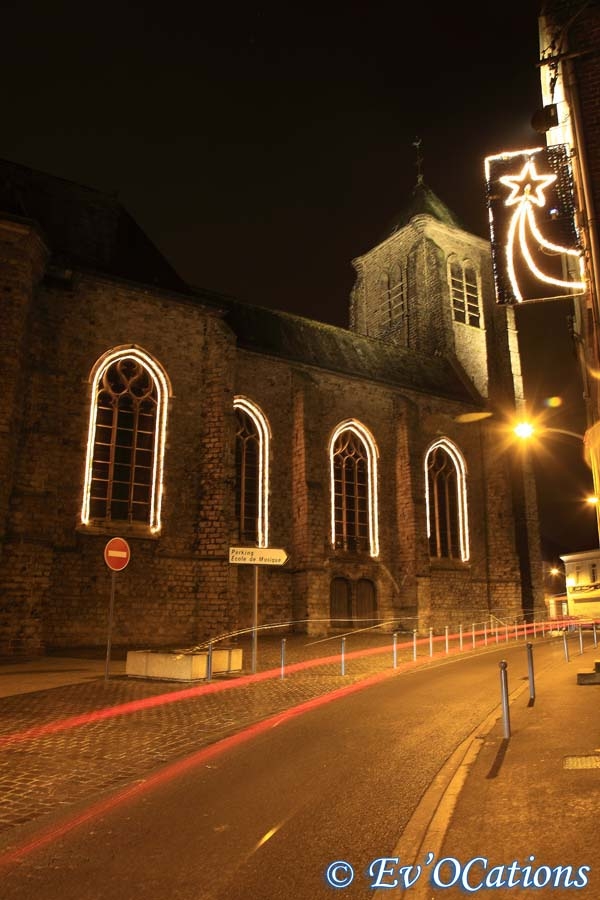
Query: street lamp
pixel 525 430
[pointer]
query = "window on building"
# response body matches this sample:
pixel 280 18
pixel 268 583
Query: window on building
pixel 353 461
pixel 446 501
pixel 252 473
pixel 391 311
pixel 464 292
pixel 593 573
pixel 126 440
pixel 397 296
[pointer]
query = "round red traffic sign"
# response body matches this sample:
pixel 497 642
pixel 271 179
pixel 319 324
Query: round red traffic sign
pixel 117 554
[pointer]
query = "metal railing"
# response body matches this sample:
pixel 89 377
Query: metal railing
pixel 390 637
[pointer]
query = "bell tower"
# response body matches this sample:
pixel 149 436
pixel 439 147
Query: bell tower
pixel 428 287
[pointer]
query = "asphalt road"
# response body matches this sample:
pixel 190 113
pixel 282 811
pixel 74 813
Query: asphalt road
pixel 266 817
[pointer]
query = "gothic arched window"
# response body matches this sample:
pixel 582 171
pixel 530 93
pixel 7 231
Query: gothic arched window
pixel 353 476
pixel 126 440
pixel 446 501
pixel 464 292
pixel 252 472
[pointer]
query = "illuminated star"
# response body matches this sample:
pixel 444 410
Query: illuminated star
pixel 530 183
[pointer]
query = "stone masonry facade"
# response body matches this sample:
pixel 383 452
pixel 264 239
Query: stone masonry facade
pixel 179 589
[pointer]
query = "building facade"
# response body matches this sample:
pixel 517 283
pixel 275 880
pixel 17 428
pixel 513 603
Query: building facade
pixel 582 579
pixel 569 34
pixel 188 423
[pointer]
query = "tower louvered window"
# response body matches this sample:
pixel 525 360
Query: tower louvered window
pixel 389 315
pixel 465 294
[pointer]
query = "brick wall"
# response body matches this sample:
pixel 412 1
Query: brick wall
pixel 179 588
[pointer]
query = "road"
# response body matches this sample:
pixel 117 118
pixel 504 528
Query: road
pixel 267 817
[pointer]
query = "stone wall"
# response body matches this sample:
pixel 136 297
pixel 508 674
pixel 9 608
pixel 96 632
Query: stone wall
pixel 179 588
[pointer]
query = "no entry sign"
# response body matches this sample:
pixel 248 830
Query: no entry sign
pixel 117 554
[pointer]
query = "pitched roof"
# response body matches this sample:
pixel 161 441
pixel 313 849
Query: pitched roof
pixel 424 202
pixel 298 339
pixel 84 228
pixel 90 229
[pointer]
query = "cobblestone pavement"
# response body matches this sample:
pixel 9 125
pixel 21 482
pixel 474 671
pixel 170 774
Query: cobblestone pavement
pixel 45 766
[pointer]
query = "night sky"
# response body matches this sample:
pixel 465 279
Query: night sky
pixel 263 147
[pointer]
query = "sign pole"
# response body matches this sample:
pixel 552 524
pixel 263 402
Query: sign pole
pixel 116 556
pixel 255 620
pixel 111 610
pixel 256 556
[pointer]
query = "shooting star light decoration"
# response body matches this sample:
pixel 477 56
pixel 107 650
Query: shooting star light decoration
pixel 525 247
pixel 528 191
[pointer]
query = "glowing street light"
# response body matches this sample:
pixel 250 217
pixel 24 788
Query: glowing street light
pixel 526 430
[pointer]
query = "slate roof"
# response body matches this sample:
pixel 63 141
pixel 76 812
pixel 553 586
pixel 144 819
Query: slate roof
pixel 84 228
pixel 302 340
pixel 89 229
pixel 424 202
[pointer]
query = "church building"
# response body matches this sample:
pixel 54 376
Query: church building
pixel 189 423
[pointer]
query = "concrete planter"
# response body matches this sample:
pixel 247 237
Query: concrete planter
pixel 181 665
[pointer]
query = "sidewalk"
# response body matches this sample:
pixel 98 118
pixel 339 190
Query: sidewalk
pixel 25 676
pixel 536 793
pixel 532 798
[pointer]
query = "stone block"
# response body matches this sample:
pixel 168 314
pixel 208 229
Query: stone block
pixel 181 665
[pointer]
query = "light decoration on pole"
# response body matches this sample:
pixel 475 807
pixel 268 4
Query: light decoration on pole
pixel 535 242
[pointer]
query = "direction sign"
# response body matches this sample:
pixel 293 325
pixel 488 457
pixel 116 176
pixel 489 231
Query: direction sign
pixel 257 556
pixel 117 554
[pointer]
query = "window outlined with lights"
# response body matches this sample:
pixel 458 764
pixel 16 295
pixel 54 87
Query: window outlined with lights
pixel 464 291
pixel 446 501
pixel 127 426
pixel 252 453
pixel 353 488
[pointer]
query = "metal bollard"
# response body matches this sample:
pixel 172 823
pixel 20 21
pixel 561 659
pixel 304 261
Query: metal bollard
pixel 343 660
pixel 282 656
pixel 431 641
pixel 415 644
pixel 460 637
pixel 485 634
pixel 209 662
pixel 595 635
pixel 504 692
pixel 446 633
pixel 530 668
pixel 580 641
pixel 566 646
pixel 473 630
pixel 395 650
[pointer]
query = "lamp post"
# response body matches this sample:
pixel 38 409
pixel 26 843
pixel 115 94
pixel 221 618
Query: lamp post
pixel 525 431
